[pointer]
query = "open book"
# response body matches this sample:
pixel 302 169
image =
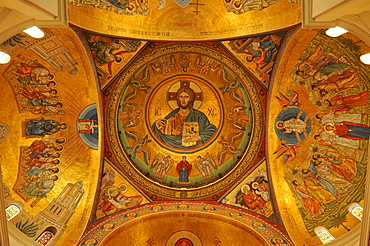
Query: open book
pixel 189 128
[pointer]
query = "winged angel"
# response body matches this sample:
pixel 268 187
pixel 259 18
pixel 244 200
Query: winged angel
pixel 140 145
pixel 204 164
pixel 228 147
pixel 163 164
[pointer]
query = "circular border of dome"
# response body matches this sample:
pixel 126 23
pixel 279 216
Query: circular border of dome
pixel 223 181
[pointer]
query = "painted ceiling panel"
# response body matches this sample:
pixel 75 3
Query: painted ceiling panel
pixel 320 95
pixel 113 184
pixel 51 104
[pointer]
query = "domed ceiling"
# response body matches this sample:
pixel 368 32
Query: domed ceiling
pixel 183 19
pixel 114 127
pixel 185 116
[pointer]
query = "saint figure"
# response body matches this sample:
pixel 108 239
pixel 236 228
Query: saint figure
pixel 184 169
pixel 184 127
pixel 349 130
pixel 44 127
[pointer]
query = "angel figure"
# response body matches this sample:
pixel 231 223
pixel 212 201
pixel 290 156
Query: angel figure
pixel 140 146
pixel 203 164
pixel 287 102
pixel 184 62
pixel 163 66
pixel 287 150
pixel 138 85
pixel 239 117
pixel 109 51
pixel 231 86
pixel 129 115
pixel 163 164
pixel 209 65
pixel 228 147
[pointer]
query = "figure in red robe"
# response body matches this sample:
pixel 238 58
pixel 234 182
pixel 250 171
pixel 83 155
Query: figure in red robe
pixel 308 200
pixel 252 200
pixel 184 170
pixel 349 130
pixel 31 73
pixel 341 103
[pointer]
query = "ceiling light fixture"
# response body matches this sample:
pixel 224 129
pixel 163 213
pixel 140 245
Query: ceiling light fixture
pixel 365 59
pixel 335 32
pixel 4 58
pixel 34 32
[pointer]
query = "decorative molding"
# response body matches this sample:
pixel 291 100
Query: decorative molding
pixel 267 230
pixel 22 14
pixel 18 238
pixel 349 239
pixel 356 22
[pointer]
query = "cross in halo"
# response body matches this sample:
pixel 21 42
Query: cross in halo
pixel 184 83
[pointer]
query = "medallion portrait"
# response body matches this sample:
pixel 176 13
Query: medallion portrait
pixel 185 126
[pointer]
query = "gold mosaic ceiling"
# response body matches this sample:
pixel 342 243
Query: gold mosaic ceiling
pixel 169 20
pixel 134 88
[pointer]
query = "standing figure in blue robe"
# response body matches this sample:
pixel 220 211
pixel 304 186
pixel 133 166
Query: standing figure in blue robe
pixel 44 127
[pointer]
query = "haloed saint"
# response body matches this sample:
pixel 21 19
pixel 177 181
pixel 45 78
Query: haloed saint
pixel 184 127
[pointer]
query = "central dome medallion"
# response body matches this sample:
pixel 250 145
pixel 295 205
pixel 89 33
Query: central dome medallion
pixel 184 120
pixel 187 127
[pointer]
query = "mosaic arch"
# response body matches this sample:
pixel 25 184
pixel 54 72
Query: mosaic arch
pixel 192 221
pixel 183 120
